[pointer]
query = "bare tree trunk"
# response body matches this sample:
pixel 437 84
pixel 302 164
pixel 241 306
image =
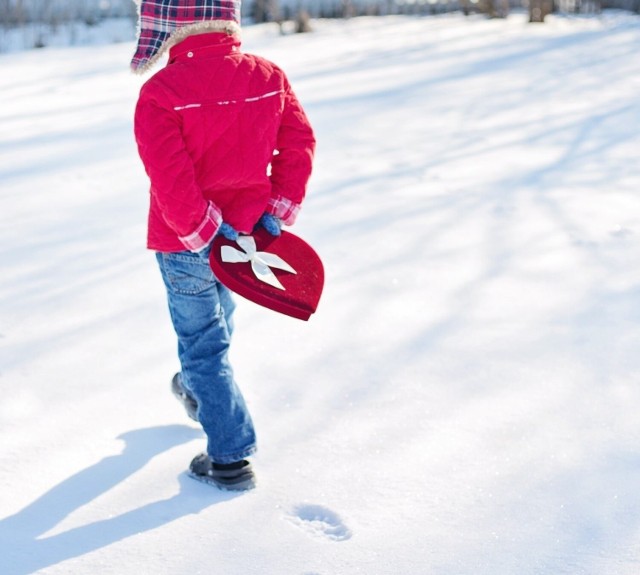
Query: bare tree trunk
pixel 303 22
pixel 539 10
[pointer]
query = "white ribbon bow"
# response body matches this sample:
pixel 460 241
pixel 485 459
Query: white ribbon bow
pixel 261 262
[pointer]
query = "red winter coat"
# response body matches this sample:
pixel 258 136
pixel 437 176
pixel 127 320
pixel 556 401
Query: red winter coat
pixel 223 138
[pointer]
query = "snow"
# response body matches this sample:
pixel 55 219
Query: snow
pixel 466 398
pixel 68 33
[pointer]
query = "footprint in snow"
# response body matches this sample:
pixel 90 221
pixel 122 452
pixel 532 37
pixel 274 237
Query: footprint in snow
pixel 320 521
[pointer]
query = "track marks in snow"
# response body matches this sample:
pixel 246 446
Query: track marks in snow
pixel 319 521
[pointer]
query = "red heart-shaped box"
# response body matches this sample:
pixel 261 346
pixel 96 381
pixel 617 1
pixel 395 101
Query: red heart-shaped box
pixel 302 290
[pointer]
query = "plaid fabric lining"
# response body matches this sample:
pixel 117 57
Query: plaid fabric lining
pixel 159 19
pixel 284 209
pixel 208 228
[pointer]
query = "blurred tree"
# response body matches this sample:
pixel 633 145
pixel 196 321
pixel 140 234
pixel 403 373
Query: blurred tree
pixel 264 11
pixel 494 8
pixel 539 10
pixel 303 22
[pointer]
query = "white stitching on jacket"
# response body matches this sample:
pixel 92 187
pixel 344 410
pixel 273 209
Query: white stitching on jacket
pixel 228 102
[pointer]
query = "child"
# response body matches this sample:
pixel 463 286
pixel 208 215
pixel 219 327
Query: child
pixel 227 147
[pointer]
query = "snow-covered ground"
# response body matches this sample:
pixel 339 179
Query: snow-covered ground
pixel 466 399
pixel 72 33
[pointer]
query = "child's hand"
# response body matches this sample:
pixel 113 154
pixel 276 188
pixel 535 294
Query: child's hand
pixel 272 224
pixel 228 232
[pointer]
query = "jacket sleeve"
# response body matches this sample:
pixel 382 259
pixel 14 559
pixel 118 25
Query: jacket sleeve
pixel 292 161
pixel 194 219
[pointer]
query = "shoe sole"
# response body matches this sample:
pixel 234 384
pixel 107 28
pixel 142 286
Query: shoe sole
pixel 242 485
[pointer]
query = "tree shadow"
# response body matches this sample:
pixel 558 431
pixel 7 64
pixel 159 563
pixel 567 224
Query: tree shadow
pixel 23 548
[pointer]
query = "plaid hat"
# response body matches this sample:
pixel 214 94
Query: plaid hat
pixel 164 23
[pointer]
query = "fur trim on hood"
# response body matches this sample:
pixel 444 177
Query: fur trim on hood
pixel 164 23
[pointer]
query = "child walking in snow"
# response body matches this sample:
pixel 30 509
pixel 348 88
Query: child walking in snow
pixel 227 147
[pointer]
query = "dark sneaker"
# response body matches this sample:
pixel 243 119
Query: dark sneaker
pixel 236 476
pixel 184 397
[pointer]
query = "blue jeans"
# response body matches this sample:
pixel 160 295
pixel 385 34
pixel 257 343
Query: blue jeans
pixel 201 310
